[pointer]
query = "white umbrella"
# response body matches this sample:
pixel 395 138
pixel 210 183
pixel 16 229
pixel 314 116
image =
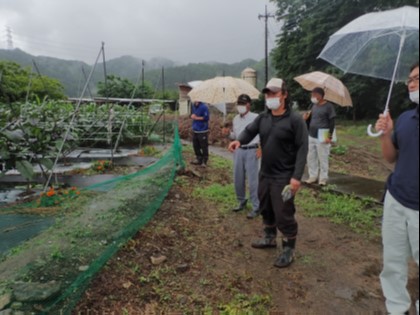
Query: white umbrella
pixel 381 45
pixel 222 90
pixel 335 90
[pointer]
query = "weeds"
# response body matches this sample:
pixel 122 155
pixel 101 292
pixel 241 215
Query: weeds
pixel 246 305
pixel 359 215
pixel 340 150
pixel 149 151
pixel 223 196
pixel 221 163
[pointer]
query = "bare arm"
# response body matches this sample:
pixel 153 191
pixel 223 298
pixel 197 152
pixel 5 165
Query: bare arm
pixel 388 149
pixel 386 125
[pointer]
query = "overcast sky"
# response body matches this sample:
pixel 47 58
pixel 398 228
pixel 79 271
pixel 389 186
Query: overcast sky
pixel 181 30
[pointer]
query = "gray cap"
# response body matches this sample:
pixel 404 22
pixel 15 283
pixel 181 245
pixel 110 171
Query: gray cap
pixel 275 85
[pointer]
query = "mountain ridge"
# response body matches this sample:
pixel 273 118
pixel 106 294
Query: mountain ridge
pixel 69 72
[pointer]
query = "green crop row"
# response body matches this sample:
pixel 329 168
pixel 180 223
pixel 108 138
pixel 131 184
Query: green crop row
pixel 33 133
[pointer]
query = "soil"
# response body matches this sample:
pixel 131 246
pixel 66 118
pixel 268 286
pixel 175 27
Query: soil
pixel 210 261
pixel 363 160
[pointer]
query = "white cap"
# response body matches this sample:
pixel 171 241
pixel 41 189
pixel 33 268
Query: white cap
pixel 275 85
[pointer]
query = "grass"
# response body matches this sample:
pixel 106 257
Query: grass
pixel 246 305
pixel 340 150
pixel 354 134
pixel 223 196
pixel 242 304
pixel 360 215
pixel 220 163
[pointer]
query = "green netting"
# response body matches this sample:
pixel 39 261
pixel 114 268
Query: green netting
pixel 93 229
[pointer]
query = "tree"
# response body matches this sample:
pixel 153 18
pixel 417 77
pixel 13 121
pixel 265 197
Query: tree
pixel 17 81
pixel 118 87
pixel 307 28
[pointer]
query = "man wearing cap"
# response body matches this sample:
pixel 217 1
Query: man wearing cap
pixel 200 116
pixel 246 158
pixel 321 117
pixel 284 142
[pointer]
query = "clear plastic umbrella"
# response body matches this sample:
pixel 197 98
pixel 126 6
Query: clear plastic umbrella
pixel 381 45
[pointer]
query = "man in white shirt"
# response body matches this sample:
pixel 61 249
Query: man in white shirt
pixel 246 158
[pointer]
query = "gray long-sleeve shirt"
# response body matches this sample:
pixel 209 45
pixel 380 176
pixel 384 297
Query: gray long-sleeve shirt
pixel 239 125
pixel 284 141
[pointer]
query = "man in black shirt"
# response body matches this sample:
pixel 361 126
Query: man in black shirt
pixel 284 142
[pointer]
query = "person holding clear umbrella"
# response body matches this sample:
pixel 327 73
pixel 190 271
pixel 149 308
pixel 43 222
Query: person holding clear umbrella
pixel 400 145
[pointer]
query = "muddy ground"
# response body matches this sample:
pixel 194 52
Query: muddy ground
pixel 211 266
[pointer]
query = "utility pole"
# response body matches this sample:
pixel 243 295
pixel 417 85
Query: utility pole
pixel 9 38
pixel 143 83
pixel 266 17
pixel 163 82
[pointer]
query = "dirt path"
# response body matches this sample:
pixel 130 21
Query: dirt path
pixel 210 263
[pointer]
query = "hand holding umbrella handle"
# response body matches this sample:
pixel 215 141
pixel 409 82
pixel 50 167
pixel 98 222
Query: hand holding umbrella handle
pixel 377 134
pixel 373 134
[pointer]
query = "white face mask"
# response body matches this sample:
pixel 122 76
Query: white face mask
pixel 242 110
pixel 273 103
pixel 414 97
pixel 314 100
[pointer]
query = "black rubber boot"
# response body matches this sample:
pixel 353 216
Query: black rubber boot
pixel 197 162
pixel 269 240
pixel 241 206
pixel 288 256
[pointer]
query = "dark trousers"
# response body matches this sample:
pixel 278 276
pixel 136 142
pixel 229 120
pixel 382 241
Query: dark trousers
pixel 275 211
pixel 201 146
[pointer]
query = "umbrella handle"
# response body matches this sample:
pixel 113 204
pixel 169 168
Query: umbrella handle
pixel 370 128
pixel 373 134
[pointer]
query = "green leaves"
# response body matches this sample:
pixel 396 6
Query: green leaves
pixel 25 169
pixel 15 82
pixel 49 164
pixel 123 88
pixel 14 136
pixel 306 31
pixel 38 129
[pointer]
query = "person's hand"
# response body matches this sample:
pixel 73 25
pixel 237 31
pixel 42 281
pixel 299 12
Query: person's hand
pixel 329 141
pixel 307 115
pixel 194 117
pixel 235 145
pixel 295 185
pixel 259 153
pixel 226 131
pixel 385 124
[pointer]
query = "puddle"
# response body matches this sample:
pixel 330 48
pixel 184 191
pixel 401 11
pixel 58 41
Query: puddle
pixel 16 229
pixel 361 187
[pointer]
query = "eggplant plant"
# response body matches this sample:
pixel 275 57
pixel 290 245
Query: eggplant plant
pixel 32 133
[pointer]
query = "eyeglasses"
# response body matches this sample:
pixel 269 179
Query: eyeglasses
pixel 412 80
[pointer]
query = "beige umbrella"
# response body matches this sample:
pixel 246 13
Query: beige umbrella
pixel 335 90
pixel 222 90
